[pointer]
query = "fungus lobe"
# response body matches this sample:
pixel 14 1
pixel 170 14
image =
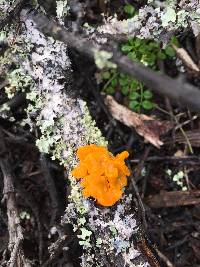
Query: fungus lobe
pixel 102 175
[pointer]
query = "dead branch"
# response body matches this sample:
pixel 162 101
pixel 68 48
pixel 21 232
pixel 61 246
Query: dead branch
pixel 14 228
pixel 56 249
pixel 177 90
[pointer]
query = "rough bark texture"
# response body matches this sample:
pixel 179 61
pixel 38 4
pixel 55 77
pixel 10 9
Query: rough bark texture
pixel 106 234
pixel 157 20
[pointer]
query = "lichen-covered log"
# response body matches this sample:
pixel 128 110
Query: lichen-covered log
pixel 43 71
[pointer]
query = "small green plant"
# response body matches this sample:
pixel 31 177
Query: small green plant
pixel 177 178
pixel 129 10
pixel 147 52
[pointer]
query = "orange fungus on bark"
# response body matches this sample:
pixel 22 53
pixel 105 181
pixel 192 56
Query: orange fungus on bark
pixel 102 175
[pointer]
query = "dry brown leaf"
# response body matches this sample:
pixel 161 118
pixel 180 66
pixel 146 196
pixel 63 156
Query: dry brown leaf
pixel 146 126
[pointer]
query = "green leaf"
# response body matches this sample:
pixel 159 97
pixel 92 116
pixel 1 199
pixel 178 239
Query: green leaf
pixel 106 75
pixel 149 59
pixel 132 41
pixel 169 51
pixel 147 104
pixel 126 48
pixel 137 42
pixel 134 84
pixel 134 95
pixel 174 41
pixel 123 81
pixel 122 75
pixel 125 90
pixel 161 55
pixel 110 90
pixel 153 45
pixel 129 9
pixel 147 94
pixel 114 82
pixel 137 108
pixel 113 71
pixel 133 104
pixel 132 56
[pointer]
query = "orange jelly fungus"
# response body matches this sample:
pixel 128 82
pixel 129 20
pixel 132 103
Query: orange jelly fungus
pixel 102 175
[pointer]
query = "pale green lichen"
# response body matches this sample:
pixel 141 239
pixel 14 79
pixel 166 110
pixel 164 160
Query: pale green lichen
pixel 51 140
pixel 18 81
pixel 168 16
pixel 4 108
pixel 5 112
pixel 102 59
pixel 62 8
pixel 77 198
pixel 44 144
pixel 157 20
pixel 3 36
pixel 178 178
pixel 81 221
pixel 32 96
pixel 99 242
pixel 85 238
pixel 92 134
pixel 113 230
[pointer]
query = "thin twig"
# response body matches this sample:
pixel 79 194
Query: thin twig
pixel 185 136
pixel 57 248
pixel 167 158
pixel 14 228
pixel 164 258
pixel 186 122
pixel 142 209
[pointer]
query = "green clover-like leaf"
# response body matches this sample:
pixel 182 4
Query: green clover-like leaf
pixel 147 94
pixel 147 105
